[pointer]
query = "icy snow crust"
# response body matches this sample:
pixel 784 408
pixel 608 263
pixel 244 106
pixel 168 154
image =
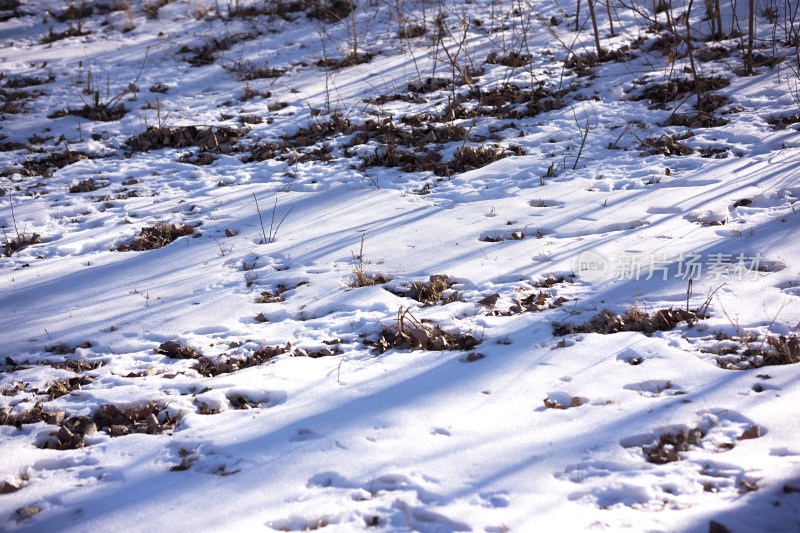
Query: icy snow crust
pixel 527 431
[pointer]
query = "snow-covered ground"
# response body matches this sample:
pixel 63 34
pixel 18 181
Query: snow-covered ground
pixel 572 302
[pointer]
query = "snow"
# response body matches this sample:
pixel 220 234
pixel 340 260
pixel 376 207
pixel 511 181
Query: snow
pixel 528 430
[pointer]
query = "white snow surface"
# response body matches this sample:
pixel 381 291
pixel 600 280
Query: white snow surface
pixel 545 431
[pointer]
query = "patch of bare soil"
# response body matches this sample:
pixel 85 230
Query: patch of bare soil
pixel 634 319
pixel 208 367
pixel 205 54
pixel 698 120
pixel 411 334
pixel 432 292
pixel 330 10
pixel 219 139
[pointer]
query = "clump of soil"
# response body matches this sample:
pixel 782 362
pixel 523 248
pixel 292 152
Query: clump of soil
pixel 156 236
pixel 432 292
pixel 208 367
pixel 411 334
pixel 219 139
pixel 608 322
pixel 177 350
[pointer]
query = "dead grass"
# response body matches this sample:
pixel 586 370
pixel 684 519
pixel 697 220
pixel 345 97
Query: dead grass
pixel 208 367
pixel 412 334
pixel 156 236
pixel 634 319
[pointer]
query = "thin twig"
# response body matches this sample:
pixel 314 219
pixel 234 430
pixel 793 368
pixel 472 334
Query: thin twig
pixel 263 235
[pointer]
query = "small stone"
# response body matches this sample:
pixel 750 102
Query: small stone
pixel 230 233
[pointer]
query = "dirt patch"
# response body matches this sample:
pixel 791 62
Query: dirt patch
pixel 219 139
pixel 698 120
pixel 432 292
pixel 208 367
pixel 511 102
pixel 330 10
pixel 205 54
pixel 608 322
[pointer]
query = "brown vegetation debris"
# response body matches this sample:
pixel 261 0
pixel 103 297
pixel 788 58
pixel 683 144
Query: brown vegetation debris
pixel 72 31
pixel 432 292
pixel 245 70
pixel 44 166
pixel 774 351
pixel 135 418
pixel 511 59
pixel 667 449
pixel 87 185
pixel 62 387
pixel 177 350
pixel 411 334
pixel 208 367
pixel 665 145
pixel 15 244
pixel 156 236
pixel 218 139
pixel 634 319
pixel 781 123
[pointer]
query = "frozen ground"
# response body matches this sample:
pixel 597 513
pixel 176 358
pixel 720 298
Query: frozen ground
pixel 603 344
